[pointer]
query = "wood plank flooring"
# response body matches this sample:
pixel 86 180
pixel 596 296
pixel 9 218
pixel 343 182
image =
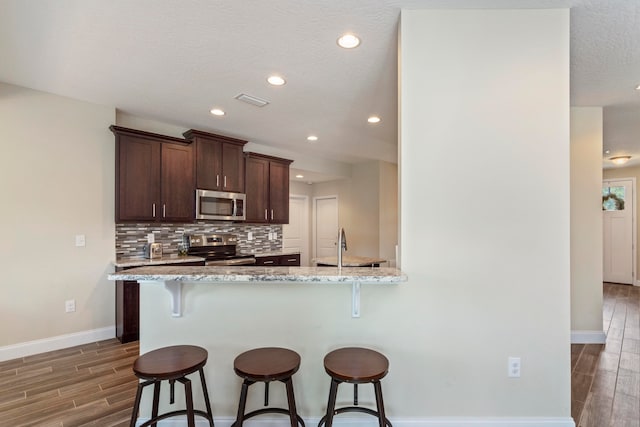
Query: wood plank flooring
pixel 605 379
pixel 88 385
pixel 93 384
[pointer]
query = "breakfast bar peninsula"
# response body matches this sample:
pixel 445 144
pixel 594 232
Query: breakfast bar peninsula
pixel 229 310
pixel 173 278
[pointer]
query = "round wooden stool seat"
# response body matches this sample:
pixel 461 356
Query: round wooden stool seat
pixel 265 365
pixel 173 364
pixel 356 365
pixel 170 362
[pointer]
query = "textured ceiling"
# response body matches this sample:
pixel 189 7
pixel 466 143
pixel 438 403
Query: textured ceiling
pixel 173 61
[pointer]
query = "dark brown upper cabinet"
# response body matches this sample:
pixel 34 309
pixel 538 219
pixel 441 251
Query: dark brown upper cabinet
pixel 219 161
pixel 155 179
pixel 267 188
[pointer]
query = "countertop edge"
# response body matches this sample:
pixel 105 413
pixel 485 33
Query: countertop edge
pixel 264 274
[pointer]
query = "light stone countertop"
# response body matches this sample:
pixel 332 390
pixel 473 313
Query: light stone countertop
pixel 169 259
pixel 350 261
pixel 226 274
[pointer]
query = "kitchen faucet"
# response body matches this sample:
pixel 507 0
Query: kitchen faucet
pixel 342 245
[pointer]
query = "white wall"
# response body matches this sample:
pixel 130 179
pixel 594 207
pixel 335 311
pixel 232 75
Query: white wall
pixel 487 258
pixel 56 181
pixel 586 224
pixel 485 93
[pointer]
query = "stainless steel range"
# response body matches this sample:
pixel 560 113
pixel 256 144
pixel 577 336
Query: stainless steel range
pixel 217 249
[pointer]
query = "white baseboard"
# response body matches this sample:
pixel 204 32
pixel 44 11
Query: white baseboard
pixel 29 348
pixel 588 337
pixel 342 421
pixel 637 283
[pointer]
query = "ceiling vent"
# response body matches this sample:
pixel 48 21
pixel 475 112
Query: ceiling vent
pixel 252 100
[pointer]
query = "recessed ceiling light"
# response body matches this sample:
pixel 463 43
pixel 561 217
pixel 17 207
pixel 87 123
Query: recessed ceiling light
pixel 638 87
pixel 607 151
pixel 276 80
pixel 374 119
pixel 312 138
pixel 299 176
pixel 348 41
pixel 217 112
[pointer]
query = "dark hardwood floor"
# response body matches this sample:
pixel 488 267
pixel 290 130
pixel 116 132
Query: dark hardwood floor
pixel 605 379
pixel 93 384
pixel 88 385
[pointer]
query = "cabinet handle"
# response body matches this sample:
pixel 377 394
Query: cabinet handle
pixel 271 214
pixel 225 181
pixel 267 262
pixel 265 215
pixel 164 210
pixel 217 180
pixel 154 210
pixel 292 259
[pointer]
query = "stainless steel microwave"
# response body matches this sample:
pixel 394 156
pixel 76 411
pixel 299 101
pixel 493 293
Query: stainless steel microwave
pixel 220 205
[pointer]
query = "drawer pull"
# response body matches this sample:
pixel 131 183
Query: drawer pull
pixel 292 259
pixel 268 262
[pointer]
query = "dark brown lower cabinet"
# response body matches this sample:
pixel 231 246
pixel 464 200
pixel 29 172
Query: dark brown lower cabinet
pixel 128 306
pixel 278 260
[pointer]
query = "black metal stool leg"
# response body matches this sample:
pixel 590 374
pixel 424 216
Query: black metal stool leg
pixel 382 418
pixel 293 412
pixel 156 400
pixel 191 422
pixel 136 405
pixel 206 397
pixel 331 405
pixel 242 403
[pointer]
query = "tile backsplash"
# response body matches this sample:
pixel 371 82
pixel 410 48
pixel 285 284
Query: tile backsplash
pixel 131 238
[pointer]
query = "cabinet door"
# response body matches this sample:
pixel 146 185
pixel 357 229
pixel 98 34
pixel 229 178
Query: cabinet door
pixel 232 168
pixel 208 164
pixel 137 179
pixel 279 192
pixel 257 189
pixel 178 192
pixel 268 261
pixel 293 260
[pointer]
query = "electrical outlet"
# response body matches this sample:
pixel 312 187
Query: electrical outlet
pixel 70 305
pixel 514 367
pixel 250 236
pixel 80 240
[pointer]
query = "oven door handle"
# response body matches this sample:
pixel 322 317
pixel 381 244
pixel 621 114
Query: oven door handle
pixel 235 208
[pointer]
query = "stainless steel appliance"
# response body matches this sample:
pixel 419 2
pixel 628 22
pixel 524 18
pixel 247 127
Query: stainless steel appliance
pixel 153 250
pixel 220 205
pixel 217 249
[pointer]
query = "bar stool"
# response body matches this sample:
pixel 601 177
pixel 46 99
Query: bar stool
pixel 266 365
pixel 355 365
pixel 172 364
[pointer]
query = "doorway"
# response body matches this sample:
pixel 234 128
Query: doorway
pixel 325 226
pixel 619 230
pixel 295 235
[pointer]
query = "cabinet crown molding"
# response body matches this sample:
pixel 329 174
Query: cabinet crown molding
pixel 119 130
pixel 192 133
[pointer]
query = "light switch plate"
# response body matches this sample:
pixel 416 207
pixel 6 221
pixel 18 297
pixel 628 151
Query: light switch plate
pixel 250 236
pixel 80 240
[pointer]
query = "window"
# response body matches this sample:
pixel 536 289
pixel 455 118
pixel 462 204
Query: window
pixel 613 198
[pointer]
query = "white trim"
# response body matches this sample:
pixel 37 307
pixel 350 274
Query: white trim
pixel 29 348
pixel 588 337
pixel 342 421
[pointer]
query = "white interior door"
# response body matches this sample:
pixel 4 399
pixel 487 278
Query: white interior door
pixel 326 226
pixel 618 237
pixel 296 233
